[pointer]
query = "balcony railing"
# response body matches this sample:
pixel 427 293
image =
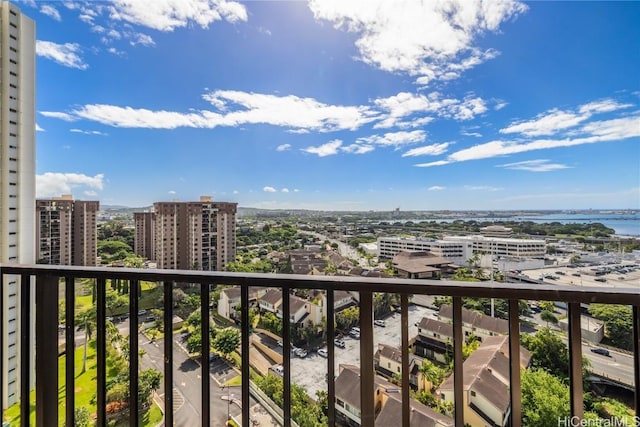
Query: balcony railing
pixel 44 281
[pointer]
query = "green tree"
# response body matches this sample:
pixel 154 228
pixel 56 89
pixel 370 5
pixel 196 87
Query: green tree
pixel 548 352
pixel 548 317
pixel 545 398
pixel 227 341
pixel 618 323
pixel 86 320
pixel 348 318
pixel 82 417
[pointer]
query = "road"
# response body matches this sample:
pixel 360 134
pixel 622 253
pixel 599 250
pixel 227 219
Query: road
pixel 187 384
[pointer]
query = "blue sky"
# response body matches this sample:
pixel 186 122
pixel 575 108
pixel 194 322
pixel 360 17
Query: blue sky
pixel 340 105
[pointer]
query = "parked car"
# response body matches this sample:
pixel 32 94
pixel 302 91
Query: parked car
pixel 280 343
pixel 323 352
pixel 339 343
pixel 380 322
pixel 354 334
pixel 601 351
pixel 278 369
pixel 142 312
pixel 301 353
pixel 600 279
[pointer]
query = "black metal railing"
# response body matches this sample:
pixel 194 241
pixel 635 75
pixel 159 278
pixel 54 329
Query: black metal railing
pixel 44 281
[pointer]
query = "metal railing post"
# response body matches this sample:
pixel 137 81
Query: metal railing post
pixel 367 391
pixel 70 350
pixel 133 350
pixel 514 363
pixel 46 313
pixel 404 345
pixel 458 381
pixel 204 354
pixel 244 318
pixel 101 351
pixel 168 353
pixel 575 361
pixel 286 355
pixel 636 357
pixel 25 346
pixel 331 362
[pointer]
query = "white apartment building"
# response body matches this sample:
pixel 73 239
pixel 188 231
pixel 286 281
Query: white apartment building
pixel 503 246
pixel 458 249
pixel 456 252
pixel 17 175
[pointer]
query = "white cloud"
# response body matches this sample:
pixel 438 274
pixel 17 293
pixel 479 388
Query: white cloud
pixel 555 120
pixel 428 150
pixel 238 108
pixel 236 192
pixel 142 39
pixel 481 188
pixel 406 104
pixel 395 139
pixel 283 147
pixel 429 40
pixel 268 189
pixel 52 184
pixel 64 54
pixel 88 132
pixel 600 131
pixel 546 124
pixel 285 190
pixel 539 165
pixel 358 148
pixel 51 11
pixel 58 115
pixel 436 188
pixel 430 164
pixel 474 134
pixel 167 15
pixel 500 105
pixel 91 193
pixel 328 149
pixel 172 192
pixel 289 111
pixel 295 190
pixel 38 128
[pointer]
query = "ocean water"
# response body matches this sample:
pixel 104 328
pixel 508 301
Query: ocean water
pixel 623 224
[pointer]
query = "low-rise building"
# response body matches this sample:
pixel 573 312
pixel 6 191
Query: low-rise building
pixel 486 383
pixel 476 323
pixel 387 403
pixel 419 265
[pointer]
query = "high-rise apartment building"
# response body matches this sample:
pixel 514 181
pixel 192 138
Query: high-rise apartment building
pixel 66 232
pixel 190 235
pixel 17 174
pixel 145 242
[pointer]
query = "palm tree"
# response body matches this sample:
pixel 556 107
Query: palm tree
pixel 430 374
pixel 86 320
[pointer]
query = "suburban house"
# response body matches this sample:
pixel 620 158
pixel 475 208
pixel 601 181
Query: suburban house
pixel 387 362
pixel 305 261
pixel 476 323
pixel 299 309
pixel 419 265
pixel 388 407
pixel 486 383
pixel 228 302
pixel 434 340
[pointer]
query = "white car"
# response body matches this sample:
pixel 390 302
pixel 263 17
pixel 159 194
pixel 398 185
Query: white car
pixel 301 353
pixel 323 352
pixel 380 322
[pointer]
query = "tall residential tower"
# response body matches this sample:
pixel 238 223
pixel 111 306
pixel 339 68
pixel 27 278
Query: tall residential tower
pixel 189 235
pixel 66 232
pixel 17 174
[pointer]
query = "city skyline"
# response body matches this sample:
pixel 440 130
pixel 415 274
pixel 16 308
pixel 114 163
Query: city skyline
pixel 323 105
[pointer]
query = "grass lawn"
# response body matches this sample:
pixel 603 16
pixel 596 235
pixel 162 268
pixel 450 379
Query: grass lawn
pixel 85 388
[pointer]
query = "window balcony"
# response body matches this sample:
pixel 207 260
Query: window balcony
pixel 367 408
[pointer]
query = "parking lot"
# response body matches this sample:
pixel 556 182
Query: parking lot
pixel 310 372
pixel 580 276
